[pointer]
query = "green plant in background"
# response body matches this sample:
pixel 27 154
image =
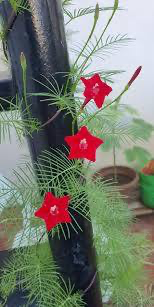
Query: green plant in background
pixel 121 254
pixel 120 126
pixel 138 157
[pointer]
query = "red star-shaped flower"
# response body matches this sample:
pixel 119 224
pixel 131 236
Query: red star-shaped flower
pixel 95 89
pixel 83 145
pixel 54 210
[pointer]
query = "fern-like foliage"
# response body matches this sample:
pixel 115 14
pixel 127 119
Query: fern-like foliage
pixel 115 128
pixel 61 176
pixel 2 29
pixel 19 6
pixel 146 129
pixel 66 2
pixel 34 271
pixel 121 254
pixel 77 13
pixel 138 156
pixel 55 96
pixel 12 119
pixel 103 48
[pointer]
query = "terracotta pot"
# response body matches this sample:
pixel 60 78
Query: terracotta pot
pixel 127 181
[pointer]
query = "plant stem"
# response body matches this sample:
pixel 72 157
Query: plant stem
pixel 24 85
pixel 114 164
pixel 89 38
pixel 87 59
pixel 91 53
pixel 24 80
pixel 51 119
pixel 108 105
pixel 81 52
pixel 101 36
pixel 75 119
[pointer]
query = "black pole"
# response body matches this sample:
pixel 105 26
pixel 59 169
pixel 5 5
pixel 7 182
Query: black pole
pixel 40 36
pixel 6 94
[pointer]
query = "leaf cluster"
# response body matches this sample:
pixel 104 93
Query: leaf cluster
pixel 12 120
pixel 34 272
pixel 81 12
pixel 120 126
pixel 121 255
pixel 102 48
pixel 138 156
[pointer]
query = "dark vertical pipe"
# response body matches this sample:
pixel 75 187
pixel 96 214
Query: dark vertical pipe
pixel 40 36
pixel 6 93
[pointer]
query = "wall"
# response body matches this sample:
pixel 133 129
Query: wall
pixel 136 21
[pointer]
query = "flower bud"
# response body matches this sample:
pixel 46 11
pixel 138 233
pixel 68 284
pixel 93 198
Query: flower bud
pixel 96 12
pixel 134 77
pixel 23 61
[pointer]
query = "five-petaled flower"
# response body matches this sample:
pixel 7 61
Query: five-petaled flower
pixel 83 145
pixel 95 89
pixel 54 210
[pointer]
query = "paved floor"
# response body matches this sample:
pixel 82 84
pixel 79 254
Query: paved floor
pixel 146 224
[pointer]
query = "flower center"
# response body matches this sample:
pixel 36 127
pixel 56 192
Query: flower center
pixel 83 144
pixel 95 89
pixel 54 210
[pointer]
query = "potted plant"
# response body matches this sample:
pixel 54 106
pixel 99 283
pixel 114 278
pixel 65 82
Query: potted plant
pixel 147 184
pixel 144 164
pixel 124 127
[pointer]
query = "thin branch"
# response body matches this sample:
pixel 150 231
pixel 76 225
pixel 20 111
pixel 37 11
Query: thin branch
pixel 91 283
pixel 51 119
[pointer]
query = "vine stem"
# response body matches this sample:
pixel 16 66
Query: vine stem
pixel 114 164
pixel 101 36
pixel 75 119
pixel 91 33
pixel 109 104
pixel 51 119
pixel 116 3
pixel 89 38
pixel 96 17
pixel 91 283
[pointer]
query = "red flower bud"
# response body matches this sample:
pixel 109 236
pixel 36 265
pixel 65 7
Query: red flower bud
pixel 135 75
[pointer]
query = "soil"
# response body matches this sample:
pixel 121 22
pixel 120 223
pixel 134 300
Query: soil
pixel 121 179
pixel 127 181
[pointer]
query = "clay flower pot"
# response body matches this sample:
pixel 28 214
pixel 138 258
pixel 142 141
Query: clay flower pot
pixel 127 181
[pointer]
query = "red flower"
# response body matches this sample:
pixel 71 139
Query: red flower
pixel 95 89
pixel 54 210
pixel 83 145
